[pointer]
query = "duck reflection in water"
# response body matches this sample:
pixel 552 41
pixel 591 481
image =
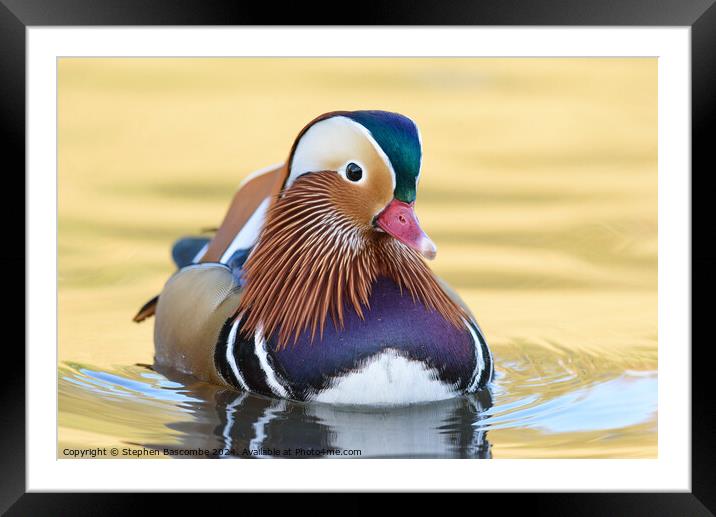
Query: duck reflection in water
pixel 229 423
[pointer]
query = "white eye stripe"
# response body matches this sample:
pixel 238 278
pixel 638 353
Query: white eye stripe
pixel 380 152
pixel 329 140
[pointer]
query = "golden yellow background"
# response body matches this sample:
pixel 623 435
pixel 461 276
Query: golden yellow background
pixel 539 187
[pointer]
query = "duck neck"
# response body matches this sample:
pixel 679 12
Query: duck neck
pixel 312 263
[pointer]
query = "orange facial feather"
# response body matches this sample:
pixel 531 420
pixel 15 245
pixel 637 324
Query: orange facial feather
pixel 315 260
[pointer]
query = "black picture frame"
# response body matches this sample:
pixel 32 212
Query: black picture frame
pixel 699 15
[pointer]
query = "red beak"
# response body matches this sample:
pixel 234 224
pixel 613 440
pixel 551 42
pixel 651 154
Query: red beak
pixel 399 220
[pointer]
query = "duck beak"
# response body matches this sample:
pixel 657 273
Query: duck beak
pixel 398 219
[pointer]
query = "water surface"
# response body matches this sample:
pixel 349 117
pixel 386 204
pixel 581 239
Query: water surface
pixel 609 415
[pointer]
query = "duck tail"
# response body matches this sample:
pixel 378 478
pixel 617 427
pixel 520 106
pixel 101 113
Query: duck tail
pixel 147 310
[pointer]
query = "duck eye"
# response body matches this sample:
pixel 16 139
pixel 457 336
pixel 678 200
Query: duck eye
pixel 354 172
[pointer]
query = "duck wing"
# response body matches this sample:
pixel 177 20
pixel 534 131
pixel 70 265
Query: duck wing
pixel 245 217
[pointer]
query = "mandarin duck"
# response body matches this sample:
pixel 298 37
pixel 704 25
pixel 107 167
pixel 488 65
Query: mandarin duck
pixel 314 285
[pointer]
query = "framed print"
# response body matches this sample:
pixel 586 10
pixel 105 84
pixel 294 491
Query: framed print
pixel 467 238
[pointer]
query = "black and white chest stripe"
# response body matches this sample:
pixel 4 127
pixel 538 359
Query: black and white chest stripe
pixel 484 364
pixel 246 363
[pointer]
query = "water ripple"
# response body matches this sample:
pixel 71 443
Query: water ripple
pixel 542 388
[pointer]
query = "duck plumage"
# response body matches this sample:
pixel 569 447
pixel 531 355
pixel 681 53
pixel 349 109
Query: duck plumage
pixel 314 288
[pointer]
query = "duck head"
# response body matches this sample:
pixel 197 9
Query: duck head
pixel 377 155
pixel 343 218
